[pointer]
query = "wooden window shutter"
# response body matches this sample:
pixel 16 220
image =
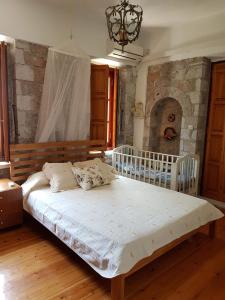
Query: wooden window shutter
pixel 116 75
pixel 4 118
pixel 99 101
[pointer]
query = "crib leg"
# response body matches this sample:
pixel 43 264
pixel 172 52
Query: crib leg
pixel 117 288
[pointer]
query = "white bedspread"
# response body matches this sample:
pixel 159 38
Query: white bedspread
pixel 113 227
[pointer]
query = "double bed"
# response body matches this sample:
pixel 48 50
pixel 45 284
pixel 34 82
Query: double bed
pixel 117 228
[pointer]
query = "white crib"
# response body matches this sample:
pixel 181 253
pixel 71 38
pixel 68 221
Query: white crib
pixel 174 172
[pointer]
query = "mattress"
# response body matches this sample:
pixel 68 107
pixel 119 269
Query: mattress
pixel 114 226
pixel 148 173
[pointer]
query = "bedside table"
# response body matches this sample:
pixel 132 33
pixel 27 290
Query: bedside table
pixel 11 204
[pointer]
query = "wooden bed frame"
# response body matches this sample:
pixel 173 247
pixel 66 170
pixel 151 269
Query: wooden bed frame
pixel 27 159
pixel 118 283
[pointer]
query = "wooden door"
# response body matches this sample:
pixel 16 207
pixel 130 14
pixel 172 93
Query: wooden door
pixel 99 101
pixel 214 168
pixel 115 94
pixel 112 108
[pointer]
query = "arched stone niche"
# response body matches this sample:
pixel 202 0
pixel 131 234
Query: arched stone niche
pixel 187 143
pixel 160 119
pixel 187 82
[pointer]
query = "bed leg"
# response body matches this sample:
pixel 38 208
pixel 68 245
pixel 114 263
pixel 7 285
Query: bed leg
pixel 212 229
pixel 117 288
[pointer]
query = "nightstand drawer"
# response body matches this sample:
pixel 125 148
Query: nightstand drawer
pixel 7 220
pixel 11 201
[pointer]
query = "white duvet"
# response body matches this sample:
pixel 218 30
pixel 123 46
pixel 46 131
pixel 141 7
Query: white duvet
pixel 113 227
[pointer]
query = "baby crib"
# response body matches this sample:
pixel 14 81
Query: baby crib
pixel 174 172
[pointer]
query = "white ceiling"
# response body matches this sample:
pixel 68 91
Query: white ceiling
pixel 157 13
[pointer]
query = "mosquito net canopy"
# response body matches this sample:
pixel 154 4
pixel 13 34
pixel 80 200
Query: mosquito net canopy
pixel 65 105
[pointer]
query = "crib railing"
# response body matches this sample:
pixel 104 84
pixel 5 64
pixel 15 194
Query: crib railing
pixel 147 166
pixel 165 170
pixel 131 150
pixel 187 172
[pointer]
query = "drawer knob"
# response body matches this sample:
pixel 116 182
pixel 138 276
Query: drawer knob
pixel 1 222
pixel 1 197
pixel 1 210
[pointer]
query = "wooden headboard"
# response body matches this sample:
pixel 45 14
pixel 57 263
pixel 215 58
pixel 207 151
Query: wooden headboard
pixel 26 159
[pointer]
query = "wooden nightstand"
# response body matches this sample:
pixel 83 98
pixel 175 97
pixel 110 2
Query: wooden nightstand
pixel 11 204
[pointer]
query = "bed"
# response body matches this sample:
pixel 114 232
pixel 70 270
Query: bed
pixel 138 221
pixel 179 173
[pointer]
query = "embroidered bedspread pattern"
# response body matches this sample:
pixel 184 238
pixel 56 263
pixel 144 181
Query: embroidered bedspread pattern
pixel 114 226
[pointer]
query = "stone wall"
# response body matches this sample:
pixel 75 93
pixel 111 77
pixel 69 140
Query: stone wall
pixel 126 101
pixel 186 81
pixel 30 62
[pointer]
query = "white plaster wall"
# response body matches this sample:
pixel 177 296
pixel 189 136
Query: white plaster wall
pixel 48 23
pixel 34 21
pixel 205 36
pixel 90 30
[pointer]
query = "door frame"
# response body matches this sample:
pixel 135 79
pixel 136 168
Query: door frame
pixel 202 174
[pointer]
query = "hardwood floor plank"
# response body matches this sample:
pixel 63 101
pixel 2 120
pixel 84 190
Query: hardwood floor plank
pixel 35 265
pixel 215 288
pixel 164 264
pixel 182 280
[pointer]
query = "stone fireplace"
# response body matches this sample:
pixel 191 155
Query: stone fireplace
pixel 180 88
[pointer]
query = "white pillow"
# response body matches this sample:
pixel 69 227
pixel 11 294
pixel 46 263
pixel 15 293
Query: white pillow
pixel 60 175
pixel 87 163
pixel 91 176
pixel 34 181
pixel 96 162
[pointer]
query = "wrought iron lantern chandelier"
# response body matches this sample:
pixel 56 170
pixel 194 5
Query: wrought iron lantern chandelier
pixel 124 22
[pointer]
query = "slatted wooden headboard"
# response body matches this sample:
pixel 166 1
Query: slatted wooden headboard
pixel 29 158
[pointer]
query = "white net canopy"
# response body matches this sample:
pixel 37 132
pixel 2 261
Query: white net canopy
pixel 65 106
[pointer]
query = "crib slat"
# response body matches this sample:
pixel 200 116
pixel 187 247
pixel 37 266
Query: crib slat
pixel 140 169
pixel 131 163
pixel 189 175
pixel 166 172
pixel 127 164
pixel 182 177
pixel 160 172
pixel 144 168
pixel 122 164
pixel 135 168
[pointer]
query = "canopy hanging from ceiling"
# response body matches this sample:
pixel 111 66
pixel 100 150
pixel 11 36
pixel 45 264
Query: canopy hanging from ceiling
pixel 65 104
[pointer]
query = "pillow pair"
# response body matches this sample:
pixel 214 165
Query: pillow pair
pixel 65 176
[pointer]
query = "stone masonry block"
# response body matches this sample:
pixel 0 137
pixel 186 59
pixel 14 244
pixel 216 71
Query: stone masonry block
pixel 33 60
pixel 19 56
pixel 24 72
pixel 22 45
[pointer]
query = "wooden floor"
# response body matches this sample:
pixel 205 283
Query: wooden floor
pixel 35 265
